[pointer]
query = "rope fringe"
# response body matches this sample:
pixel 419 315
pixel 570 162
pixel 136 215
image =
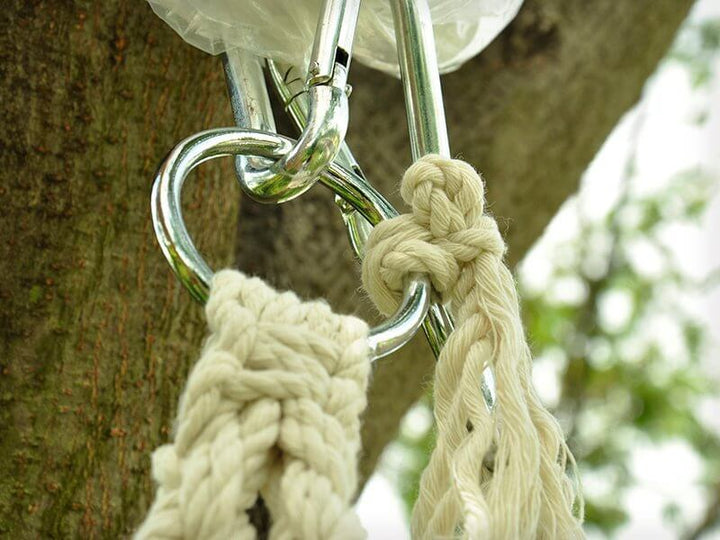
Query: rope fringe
pixel 271 409
pixel 527 492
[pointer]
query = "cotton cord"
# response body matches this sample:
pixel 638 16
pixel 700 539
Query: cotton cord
pixel 500 473
pixel 271 409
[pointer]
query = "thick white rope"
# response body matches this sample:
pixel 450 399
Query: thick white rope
pixel 500 474
pixel 271 409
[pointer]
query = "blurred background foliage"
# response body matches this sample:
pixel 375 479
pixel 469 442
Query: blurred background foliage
pixel 620 359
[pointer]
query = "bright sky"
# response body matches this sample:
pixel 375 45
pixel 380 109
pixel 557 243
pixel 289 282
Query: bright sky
pixel 669 142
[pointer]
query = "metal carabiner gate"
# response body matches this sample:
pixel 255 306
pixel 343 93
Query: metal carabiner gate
pixel 327 116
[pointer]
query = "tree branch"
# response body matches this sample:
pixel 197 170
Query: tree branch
pixel 711 518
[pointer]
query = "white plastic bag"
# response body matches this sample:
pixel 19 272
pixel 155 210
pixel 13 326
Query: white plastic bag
pixel 284 29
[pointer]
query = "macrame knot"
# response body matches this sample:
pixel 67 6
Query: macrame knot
pixel 272 409
pixel 446 231
pixel 505 477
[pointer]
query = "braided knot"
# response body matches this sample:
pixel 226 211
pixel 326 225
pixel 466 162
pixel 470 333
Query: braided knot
pixel 445 233
pixel 271 409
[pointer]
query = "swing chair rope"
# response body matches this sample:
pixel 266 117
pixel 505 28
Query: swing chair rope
pixel 493 474
pixel 271 409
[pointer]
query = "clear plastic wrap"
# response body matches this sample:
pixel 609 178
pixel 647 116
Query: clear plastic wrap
pixel 284 29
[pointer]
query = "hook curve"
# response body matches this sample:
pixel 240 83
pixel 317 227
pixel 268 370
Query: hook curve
pixel 328 111
pixel 193 271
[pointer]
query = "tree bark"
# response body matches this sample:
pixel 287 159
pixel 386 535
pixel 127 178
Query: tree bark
pixel 97 335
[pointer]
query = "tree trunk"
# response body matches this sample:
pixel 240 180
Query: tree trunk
pixel 97 335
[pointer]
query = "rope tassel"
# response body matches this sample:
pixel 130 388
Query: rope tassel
pixel 530 489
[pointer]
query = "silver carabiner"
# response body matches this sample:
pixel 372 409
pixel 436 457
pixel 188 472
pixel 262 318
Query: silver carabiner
pixel 287 88
pixel 427 126
pixel 326 87
pixel 195 274
pixel 250 104
pixel 360 203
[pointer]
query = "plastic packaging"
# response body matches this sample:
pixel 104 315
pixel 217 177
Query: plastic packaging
pixel 284 29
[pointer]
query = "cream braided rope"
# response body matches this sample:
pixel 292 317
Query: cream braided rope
pixel 271 409
pixel 497 474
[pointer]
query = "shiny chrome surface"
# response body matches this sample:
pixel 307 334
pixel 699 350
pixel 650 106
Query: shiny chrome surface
pixel 300 168
pixel 248 94
pixel 420 77
pixel 290 90
pixel 166 208
pixel 404 324
pixel 195 274
pixel 428 132
pixel 250 105
pixel 327 115
pixel 335 30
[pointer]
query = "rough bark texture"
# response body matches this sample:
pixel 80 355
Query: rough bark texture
pixel 96 334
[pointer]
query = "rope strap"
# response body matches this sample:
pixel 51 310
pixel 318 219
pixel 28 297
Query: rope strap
pixel 493 474
pixel 271 409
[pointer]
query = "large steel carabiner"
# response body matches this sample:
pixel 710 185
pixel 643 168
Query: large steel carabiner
pixel 195 274
pixel 272 168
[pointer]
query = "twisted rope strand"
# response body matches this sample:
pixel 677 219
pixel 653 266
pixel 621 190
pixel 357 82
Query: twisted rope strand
pixel 271 409
pixel 527 494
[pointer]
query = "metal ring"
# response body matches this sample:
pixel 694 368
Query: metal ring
pixel 195 274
